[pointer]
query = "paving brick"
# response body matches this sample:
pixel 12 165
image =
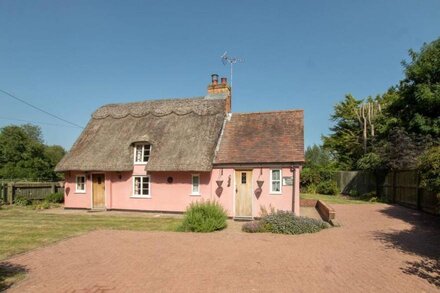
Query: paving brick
pixel 363 255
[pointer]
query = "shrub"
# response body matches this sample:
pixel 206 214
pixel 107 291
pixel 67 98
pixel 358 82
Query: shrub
pixel 252 227
pixel 312 189
pixel 205 216
pixel 55 198
pixel 41 205
pixel 22 201
pixel 327 187
pixel 429 166
pixel 264 212
pixel 287 223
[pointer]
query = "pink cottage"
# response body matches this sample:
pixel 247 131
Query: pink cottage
pixel 161 155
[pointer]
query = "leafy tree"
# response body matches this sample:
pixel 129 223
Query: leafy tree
pixel 344 142
pixel 24 156
pixel 429 166
pixel 408 123
pixel 33 132
pixel 418 107
pixel 318 170
pixel 54 153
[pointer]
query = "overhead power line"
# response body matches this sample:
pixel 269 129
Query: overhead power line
pixel 36 122
pixel 39 109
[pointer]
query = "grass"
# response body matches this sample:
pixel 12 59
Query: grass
pixel 23 229
pixel 335 199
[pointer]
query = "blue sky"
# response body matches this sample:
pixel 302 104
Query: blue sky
pixel 70 57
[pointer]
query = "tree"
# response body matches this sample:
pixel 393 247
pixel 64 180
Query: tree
pixel 344 143
pixel 33 132
pixel 429 166
pixel 407 124
pixel 418 107
pixel 24 156
pixel 319 169
pixel 54 153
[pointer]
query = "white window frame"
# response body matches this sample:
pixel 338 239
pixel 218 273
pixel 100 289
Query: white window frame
pixel 192 185
pixel 272 180
pixel 76 184
pixel 142 182
pixel 143 152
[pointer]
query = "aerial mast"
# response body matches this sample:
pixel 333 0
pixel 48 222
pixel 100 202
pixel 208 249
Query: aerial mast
pixel 231 61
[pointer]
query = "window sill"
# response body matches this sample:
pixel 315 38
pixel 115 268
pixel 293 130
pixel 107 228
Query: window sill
pixel 140 163
pixel 195 194
pixel 141 196
pixel 80 192
pixel 275 193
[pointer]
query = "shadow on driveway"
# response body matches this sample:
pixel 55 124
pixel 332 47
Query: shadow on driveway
pixel 9 274
pixel 422 239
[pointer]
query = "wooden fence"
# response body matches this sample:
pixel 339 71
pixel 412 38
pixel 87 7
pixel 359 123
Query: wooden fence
pixel 402 187
pixel 30 190
pixel 355 183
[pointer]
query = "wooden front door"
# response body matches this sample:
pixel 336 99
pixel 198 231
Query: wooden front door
pixel 243 193
pixel 98 191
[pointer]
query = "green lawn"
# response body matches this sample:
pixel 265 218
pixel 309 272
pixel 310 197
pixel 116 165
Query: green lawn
pixel 335 199
pixel 23 229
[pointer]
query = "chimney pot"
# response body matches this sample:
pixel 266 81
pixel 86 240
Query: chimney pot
pixel 214 78
pixel 224 80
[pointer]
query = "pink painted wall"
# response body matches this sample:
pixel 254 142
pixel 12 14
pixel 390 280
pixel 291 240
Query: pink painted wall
pixel 164 196
pixel 73 199
pixel 177 195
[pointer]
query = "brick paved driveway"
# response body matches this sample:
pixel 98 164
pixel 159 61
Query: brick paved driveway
pixel 378 248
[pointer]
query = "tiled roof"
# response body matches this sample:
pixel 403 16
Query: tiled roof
pixel 263 137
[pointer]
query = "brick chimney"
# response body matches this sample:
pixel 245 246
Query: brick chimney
pixel 222 88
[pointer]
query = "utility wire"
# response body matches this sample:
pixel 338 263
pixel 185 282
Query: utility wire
pixel 36 122
pixel 39 109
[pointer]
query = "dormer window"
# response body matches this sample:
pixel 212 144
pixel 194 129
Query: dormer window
pixel 141 153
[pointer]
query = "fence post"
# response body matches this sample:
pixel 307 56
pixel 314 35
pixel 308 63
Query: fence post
pixel 419 198
pixel 2 193
pixel 53 188
pixel 10 192
pixel 394 186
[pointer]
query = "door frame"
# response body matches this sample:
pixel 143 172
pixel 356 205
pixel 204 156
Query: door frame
pixel 235 192
pixel 91 193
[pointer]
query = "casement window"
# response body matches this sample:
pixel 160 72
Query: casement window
pixel 80 184
pixel 141 186
pixel 141 153
pixel 275 181
pixel 195 184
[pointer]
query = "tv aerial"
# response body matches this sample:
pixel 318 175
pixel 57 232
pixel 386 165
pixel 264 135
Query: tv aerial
pixel 231 61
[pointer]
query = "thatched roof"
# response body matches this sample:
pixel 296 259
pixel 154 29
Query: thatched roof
pixel 263 137
pixel 183 134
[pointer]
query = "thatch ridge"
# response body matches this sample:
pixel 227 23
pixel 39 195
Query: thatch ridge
pixel 159 108
pixel 183 133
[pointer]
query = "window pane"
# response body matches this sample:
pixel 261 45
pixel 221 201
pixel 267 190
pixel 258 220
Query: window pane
pixel 146 153
pixel 137 185
pixel 145 185
pixel 195 183
pixel 138 153
pixel 243 178
pixel 276 186
pixel 80 183
pixel 275 174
